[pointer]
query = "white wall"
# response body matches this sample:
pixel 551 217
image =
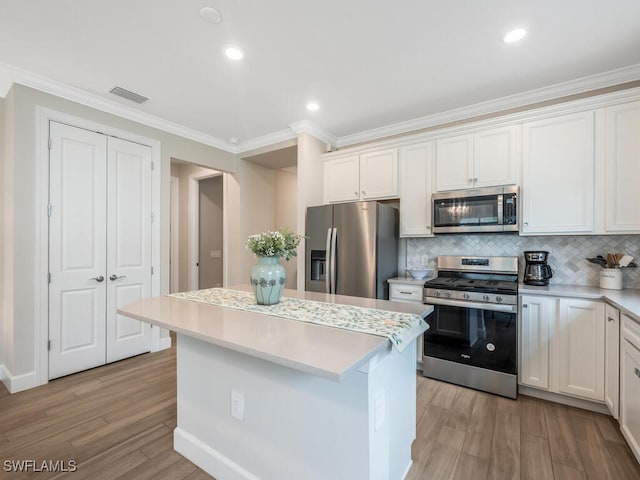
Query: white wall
pixel 250 207
pixel 2 146
pixel 286 205
pixel 7 259
pixel 19 207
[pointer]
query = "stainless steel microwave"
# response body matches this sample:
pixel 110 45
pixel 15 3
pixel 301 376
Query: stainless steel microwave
pixel 490 209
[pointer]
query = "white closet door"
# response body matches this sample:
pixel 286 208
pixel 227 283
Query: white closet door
pixel 128 245
pixel 77 256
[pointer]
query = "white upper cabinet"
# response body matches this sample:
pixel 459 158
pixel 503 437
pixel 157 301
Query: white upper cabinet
pixel 622 169
pixel 416 178
pixel 558 175
pixel 496 156
pixel 454 163
pixel 482 159
pixel 368 176
pixel 342 179
pixel 379 174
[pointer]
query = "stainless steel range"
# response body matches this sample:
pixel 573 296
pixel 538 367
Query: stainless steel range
pixel 472 339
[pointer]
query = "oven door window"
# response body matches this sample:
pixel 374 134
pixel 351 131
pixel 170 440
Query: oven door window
pixel 482 338
pixel 482 210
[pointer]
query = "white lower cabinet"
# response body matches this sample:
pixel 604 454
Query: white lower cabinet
pixel 630 383
pixel 612 360
pixel 562 346
pixel 408 292
pixel 579 348
pixel 537 316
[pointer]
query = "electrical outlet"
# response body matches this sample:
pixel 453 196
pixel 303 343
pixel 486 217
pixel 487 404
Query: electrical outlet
pixel 424 260
pixel 237 405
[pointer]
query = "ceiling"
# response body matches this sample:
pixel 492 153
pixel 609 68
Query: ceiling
pixel 367 63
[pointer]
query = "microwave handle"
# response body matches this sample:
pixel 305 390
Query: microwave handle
pixel 500 209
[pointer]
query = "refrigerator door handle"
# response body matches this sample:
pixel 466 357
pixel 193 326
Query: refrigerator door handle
pixel 334 241
pixel 327 273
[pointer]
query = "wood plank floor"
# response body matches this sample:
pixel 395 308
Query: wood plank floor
pixel 116 422
pixel 527 439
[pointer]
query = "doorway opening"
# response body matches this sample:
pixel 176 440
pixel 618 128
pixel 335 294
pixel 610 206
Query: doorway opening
pixel 197 227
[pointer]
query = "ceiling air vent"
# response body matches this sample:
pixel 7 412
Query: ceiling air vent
pixel 129 95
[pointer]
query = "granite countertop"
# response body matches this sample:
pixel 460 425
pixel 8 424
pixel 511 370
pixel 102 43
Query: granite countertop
pixel 626 300
pixel 315 349
pixel 410 280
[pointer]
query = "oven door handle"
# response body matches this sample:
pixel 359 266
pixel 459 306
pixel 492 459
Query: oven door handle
pixel 464 304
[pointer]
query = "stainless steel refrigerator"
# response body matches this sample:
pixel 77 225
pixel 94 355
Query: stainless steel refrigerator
pixel 351 249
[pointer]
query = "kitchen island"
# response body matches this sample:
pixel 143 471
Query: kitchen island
pixel 267 397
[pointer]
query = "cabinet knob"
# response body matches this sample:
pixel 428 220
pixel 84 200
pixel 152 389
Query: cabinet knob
pixel 637 372
pixel 610 319
pixel 363 192
pixel 526 224
pixel 525 305
pixel 98 279
pixel 355 193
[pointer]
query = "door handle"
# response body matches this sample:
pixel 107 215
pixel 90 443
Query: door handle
pixel 98 279
pixel 115 277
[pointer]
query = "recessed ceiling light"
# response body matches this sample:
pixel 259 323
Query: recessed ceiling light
pixel 313 106
pixel 514 35
pixel 210 15
pixel 234 52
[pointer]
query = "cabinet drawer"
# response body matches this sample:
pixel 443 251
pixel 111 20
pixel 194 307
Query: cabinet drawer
pixel 405 292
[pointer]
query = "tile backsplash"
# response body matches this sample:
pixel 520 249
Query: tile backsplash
pixel 567 254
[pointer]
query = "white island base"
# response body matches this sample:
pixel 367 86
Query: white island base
pixel 294 425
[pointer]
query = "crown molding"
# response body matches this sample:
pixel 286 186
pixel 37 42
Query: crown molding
pixel 572 87
pixel 306 126
pixel 10 75
pixel 265 140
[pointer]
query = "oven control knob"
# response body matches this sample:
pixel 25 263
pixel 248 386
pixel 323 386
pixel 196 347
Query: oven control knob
pixel 437 293
pixel 466 296
pixel 498 299
pixel 485 298
pixel 447 294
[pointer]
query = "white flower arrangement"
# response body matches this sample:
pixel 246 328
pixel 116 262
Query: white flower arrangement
pixel 281 243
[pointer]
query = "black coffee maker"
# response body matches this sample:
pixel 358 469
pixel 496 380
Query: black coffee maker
pixel 536 270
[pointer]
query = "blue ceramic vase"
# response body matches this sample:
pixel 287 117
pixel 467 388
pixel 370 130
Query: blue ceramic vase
pixel 267 280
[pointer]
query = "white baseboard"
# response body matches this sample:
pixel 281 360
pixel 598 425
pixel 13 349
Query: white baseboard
pixel 165 342
pixel 564 399
pixel 207 458
pixel 406 472
pixel 17 383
